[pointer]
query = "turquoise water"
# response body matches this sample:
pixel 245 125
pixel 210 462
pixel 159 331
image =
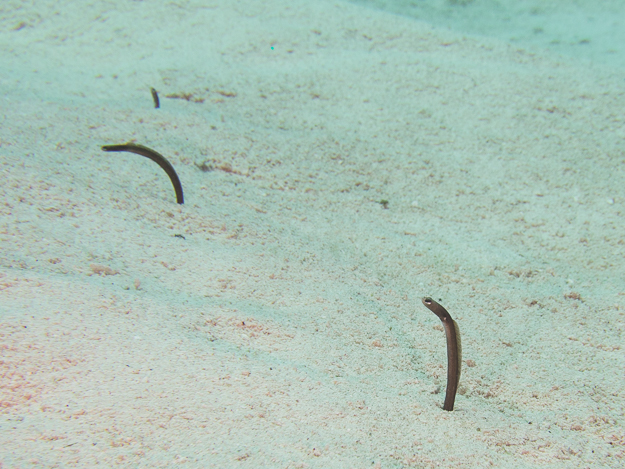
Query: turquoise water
pixel 592 31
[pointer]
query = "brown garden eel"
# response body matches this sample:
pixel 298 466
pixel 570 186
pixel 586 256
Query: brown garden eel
pixel 157 158
pixel 454 350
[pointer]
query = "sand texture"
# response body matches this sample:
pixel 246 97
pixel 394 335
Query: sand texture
pixel 339 162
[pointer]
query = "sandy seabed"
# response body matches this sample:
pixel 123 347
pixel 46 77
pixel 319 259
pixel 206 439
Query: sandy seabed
pixel 339 163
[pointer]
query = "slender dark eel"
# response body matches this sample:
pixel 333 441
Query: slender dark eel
pixel 454 350
pixel 157 158
pixel 157 103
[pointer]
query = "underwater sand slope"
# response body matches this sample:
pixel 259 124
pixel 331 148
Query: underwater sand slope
pixel 338 164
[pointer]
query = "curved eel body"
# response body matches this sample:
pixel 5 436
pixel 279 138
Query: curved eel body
pixel 454 350
pixel 157 103
pixel 157 158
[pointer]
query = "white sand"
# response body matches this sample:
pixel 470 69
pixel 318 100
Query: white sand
pixel 286 329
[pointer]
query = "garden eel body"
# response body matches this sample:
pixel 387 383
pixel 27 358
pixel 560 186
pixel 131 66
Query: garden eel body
pixel 454 350
pixel 157 103
pixel 157 158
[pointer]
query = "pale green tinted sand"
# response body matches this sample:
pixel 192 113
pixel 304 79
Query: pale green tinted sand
pixel 355 161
